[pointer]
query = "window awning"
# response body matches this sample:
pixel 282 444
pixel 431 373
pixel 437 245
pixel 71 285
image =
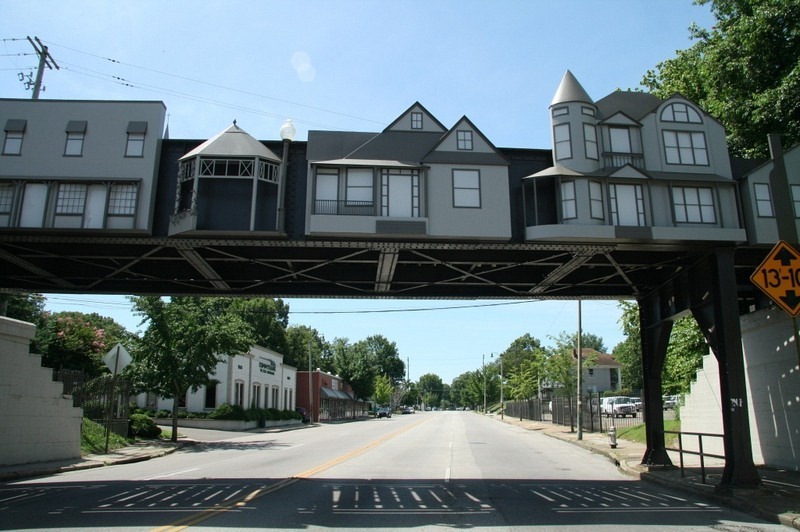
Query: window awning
pixel 328 393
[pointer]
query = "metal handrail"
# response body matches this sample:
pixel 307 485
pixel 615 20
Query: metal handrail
pixel 681 451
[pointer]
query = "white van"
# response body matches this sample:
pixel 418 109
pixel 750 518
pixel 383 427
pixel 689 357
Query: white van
pixel 618 406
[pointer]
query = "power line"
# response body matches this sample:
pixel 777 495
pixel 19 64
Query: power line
pixel 386 311
pixel 223 87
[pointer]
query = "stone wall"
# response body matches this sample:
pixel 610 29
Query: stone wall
pixel 38 422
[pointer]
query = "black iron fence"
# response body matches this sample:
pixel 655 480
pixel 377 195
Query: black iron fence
pixel 597 415
pixel 102 399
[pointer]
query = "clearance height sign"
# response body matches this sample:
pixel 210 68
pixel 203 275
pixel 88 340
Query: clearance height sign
pixel 778 276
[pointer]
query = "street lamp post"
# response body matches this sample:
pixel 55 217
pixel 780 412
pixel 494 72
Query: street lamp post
pixel 502 401
pixel 287 133
pixel 483 363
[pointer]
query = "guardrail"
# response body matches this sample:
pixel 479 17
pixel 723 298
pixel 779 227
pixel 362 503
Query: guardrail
pixel 699 452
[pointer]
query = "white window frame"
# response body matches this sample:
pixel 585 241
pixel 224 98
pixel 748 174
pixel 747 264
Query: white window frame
pixel 763 199
pixel 464 140
pixel 238 393
pixel 685 148
pixel 694 205
pixel 562 141
pixel 569 201
pixel 466 189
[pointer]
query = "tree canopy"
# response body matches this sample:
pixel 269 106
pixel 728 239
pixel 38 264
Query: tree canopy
pixel 184 340
pixel 744 71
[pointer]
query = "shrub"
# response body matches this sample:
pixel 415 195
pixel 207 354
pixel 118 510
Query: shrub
pixel 142 426
pixel 163 413
pixel 227 411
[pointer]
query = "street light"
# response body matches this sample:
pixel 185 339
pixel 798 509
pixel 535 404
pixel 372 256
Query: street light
pixel 287 133
pixel 483 363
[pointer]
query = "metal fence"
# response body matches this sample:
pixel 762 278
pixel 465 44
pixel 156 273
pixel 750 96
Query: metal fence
pixel 563 411
pixel 102 399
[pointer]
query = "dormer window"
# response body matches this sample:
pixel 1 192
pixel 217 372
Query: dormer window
pixel 135 144
pixel 416 120
pixel 15 131
pixel 680 112
pixel 76 131
pixel 464 140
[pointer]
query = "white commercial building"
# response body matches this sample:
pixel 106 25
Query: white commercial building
pixel 257 379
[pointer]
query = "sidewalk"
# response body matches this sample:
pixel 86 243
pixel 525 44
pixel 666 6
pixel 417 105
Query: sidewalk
pixel 777 500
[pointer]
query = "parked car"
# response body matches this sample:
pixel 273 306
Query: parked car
pixel 384 411
pixel 669 402
pixel 617 406
pixel 408 409
pixel 303 412
pixel 637 402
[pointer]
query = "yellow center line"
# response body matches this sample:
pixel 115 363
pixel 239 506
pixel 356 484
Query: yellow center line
pixel 201 516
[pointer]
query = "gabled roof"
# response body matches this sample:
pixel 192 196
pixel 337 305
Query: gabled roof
pixel 635 105
pixel 570 90
pixel 601 359
pixel 484 151
pixel 232 142
pixel 429 122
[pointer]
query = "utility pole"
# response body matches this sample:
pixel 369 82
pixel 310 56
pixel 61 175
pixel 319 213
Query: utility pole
pixel 44 60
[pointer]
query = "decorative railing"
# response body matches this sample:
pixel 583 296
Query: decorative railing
pixel 345 207
pixel 615 160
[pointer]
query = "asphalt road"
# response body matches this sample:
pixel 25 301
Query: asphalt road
pixel 426 470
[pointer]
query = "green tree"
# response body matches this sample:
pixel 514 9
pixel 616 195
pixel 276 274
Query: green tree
pixel 744 71
pixel 23 307
pixel 684 356
pixel 184 340
pixel 269 319
pixel 561 366
pixel 299 338
pixel 431 388
pixel 383 390
pixel 629 352
pixel 387 358
pixel 523 366
pixel 685 352
pixel 356 365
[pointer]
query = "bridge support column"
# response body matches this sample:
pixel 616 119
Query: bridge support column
pixel 655 333
pixel 719 320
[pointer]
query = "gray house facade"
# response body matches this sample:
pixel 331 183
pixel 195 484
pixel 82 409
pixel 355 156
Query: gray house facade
pixel 79 165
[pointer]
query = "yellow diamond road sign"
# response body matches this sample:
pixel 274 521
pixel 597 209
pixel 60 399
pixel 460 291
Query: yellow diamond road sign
pixel 778 276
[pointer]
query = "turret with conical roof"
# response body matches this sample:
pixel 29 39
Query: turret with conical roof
pixel 574 127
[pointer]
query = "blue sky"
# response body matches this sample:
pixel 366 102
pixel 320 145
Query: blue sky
pixel 356 66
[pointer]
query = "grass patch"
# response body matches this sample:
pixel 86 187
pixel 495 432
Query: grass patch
pixel 636 433
pixel 93 438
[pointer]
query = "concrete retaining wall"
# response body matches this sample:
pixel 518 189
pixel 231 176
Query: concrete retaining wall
pixel 38 422
pixel 773 392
